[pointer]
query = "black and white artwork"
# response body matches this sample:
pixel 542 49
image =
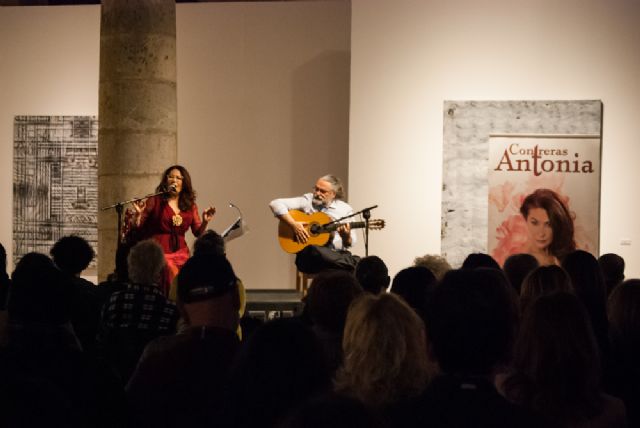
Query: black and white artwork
pixel 55 181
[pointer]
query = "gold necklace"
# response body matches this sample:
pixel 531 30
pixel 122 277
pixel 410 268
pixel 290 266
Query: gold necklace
pixel 176 219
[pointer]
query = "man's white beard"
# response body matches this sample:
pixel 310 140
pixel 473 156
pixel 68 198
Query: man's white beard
pixel 318 201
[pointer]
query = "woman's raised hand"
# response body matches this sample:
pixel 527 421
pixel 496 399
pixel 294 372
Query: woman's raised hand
pixel 208 214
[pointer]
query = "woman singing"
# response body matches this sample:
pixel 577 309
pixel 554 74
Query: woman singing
pixel 166 218
pixel 549 227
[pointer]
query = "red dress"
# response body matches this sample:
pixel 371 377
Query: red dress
pixel 160 222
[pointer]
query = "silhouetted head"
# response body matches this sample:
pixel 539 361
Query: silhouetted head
pixel 415 285
pixel 372 274
pixel 72 254
pixel 39 293
pixel 517 267
pixel 612 266
pixel 329 297
pixel 472 320
pixel 480 260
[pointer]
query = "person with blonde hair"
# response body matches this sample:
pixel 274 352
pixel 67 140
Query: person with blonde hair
pixel 385 358
pixel 438 265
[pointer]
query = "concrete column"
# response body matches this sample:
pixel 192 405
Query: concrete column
pixel 137 107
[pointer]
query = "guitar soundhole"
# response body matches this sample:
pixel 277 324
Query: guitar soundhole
pixel 314 229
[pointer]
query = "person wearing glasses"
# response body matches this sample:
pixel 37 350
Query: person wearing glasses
pixel 327 196
pixel 167 217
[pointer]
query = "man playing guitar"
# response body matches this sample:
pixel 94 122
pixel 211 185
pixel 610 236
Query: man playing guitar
pixel 327 198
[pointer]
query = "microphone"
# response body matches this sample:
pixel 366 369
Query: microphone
pixel 173 187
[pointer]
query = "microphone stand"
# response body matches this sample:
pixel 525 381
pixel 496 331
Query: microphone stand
pixel 120 205
pixel 367 215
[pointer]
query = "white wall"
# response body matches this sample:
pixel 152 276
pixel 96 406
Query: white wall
pixel 263 104
pixel 408 56
pixel 49 59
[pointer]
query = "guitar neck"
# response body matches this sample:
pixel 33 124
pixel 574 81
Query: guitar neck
pixel 334 226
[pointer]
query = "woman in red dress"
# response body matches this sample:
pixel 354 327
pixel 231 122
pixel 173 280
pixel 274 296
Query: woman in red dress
pixel 167 217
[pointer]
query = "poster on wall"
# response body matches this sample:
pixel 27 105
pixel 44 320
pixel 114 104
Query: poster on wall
pixel 544 194
pixel 55 182
pixel 468 127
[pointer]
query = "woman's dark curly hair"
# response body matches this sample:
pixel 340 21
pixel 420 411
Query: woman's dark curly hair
pixel 187 196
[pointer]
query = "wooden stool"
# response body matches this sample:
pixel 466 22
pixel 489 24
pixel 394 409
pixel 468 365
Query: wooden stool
pixel 302 281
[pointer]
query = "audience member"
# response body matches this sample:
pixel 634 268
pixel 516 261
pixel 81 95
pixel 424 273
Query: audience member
pixel 119 278
pixel 588 285
pixel 517 266
pixel 415 285
pixel 372 274
pixel 385 359
pixel 543 280
pixel 438 265
pixel 612 266
pixel 133 317
pixel 5 281
pixel 44 352
pixel 326 305
pixel 470 330
pixel 180 380
pixel 72 254
pixel 332 411
pixel 5 284
pixel 556 367
pixel 480 260
pixel 624 330
pixel 279 367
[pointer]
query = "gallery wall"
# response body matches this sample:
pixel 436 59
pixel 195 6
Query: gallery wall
pixel 409 56
pixel 263 104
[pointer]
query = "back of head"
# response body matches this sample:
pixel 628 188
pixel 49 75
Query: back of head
pixel 517 267
pixel 72 254
pixel 146 262
pixel 480 260
pixel 3 259
pixel 612 266
pixel 556 361
pixel 329 297
pixel 415 285
pixel 587 280
pixel 210 242
pixel 372 274
pixel 438 265
pixel 39 292
pixel 543 280
pixel 205 277
pixel 624 320
pixel 279 366
pixel 385 358
pixel 472 320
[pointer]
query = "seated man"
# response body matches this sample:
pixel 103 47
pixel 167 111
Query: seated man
pixel 181 380
pixel 326 198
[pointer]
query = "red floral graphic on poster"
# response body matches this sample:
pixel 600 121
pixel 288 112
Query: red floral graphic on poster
pixel 552 171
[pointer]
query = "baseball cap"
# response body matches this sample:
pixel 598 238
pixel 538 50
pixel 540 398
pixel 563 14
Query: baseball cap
pixel 204 277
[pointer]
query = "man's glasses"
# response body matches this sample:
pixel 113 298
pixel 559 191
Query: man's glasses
pixel 322 191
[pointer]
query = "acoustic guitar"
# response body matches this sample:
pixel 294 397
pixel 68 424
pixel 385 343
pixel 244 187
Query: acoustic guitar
pixel 317 224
